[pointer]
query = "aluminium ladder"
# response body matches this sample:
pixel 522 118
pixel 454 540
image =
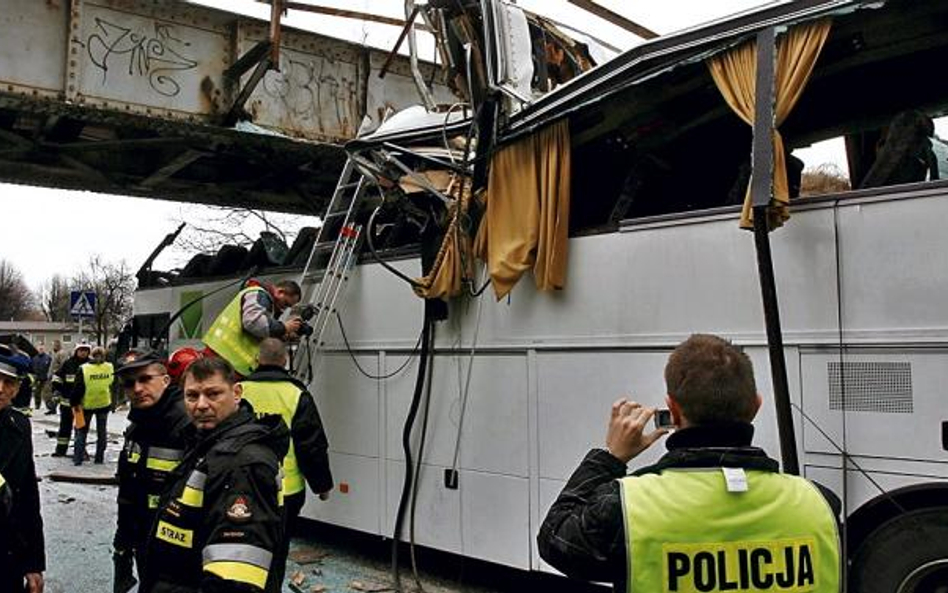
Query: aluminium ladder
pixel 345 251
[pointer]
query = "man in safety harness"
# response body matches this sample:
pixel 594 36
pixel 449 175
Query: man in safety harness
pixel 250 317
pixel 713 514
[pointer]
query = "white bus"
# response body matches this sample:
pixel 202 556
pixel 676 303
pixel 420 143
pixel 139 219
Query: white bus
pixel 520 387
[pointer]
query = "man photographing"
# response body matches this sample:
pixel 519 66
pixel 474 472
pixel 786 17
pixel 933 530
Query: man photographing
pixel 250 317
pixel 713 514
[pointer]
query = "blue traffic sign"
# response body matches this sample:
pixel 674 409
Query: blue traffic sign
pixel 82 303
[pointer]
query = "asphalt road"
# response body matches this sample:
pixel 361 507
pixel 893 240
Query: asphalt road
pixel 80 521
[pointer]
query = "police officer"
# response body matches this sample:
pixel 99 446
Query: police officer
pixel 251 316
pixel 713 514
pixel 22 556
pixel 271 390
pixel 220 521
pixel 92 397
pixel 63 382
pixel 154 445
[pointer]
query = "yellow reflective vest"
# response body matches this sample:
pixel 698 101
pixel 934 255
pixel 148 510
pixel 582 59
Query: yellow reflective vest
pixel 282 398
pixel 98 383
pixel 723 529
pixel 228 339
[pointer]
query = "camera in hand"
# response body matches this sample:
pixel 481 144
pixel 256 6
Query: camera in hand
pixel 306 313
pixel 663 419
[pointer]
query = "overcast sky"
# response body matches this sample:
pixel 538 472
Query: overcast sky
pixel 58 231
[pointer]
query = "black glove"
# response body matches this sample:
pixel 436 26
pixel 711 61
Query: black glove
pixel 123 579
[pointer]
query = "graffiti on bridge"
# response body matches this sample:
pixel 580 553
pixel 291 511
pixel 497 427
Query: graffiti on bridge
pixel 157 57
pixel 315 90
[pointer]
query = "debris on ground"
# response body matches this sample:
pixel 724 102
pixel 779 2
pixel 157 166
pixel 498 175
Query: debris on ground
pixel 297 578
pixel 368 587
pixel 106 480
pixel 307 555
pixel 317 589
pixel 317 572
pixel 63 499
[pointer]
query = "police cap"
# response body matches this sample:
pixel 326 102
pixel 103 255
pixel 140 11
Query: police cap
pixel 13 364
pixel 137 358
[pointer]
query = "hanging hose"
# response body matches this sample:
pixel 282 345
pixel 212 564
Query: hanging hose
pixel 421 454
pixel 426 344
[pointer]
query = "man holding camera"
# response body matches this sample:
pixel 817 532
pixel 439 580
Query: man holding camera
pixel 713 514
pixel 250 317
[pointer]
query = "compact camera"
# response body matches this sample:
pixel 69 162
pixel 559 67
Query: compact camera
pixel 663 419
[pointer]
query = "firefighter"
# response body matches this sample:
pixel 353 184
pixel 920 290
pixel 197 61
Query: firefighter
pixel 22 555
pixel 251 316
pixel 154 445
pixel 271 390
pixel 713 514
pixel 63 383
pixel 92 398
pixel 220 521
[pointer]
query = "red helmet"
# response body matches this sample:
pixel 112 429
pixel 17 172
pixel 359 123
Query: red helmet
pixel 180 360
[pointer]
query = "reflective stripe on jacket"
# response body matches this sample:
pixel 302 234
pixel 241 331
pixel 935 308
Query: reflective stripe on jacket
pixel 97 379
pixel 228 339
pixel 690 530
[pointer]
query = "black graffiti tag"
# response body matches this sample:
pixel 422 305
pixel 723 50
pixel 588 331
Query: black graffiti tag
pixel 157 57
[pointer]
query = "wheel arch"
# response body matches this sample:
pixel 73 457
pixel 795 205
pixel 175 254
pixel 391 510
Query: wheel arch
pixel 885 507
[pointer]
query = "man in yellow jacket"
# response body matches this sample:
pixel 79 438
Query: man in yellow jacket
pixel 714 514
pixel 250 317
pixel 91 397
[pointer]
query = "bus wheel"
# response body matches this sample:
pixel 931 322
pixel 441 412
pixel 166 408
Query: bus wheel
pixel 909 554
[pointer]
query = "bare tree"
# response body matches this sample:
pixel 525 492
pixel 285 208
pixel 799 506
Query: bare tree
pixel 220 225
pixel 16 300
pixel 114 287
pixel 53 296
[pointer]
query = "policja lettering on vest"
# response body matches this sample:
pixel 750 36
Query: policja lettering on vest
pixel 741 566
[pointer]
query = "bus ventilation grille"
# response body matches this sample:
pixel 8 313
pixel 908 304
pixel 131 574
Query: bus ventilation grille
pixel 870 387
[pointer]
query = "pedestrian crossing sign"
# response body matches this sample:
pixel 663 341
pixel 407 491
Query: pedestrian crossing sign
pixel 82 303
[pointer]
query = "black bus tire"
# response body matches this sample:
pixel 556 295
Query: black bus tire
pixel 900 547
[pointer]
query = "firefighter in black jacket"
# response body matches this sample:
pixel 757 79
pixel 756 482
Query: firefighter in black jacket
pixel 22 555
pixel 154 445
pixel 271 390
pixel 63 383
pixel 220 520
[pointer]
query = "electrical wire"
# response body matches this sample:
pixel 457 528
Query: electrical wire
pixel 364 372
pixel 368 235
pixel 467 383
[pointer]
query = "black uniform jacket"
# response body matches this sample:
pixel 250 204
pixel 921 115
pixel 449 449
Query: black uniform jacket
pixel 583 534
pixel 221 518
pixel 67 377
pixel 21 530
pixel 309 438
pixel 154 444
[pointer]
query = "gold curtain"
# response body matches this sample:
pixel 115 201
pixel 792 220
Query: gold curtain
pixel 527 218
pixel 735 72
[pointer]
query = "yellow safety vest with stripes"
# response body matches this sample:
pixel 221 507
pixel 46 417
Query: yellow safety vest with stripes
pixel 228 339
pixel 724 529
pixel 282 398
pixel 97 379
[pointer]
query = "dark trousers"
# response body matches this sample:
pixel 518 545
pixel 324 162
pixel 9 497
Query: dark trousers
pixel 12 583
pixel 38 389
pixel 102 436
pixel 292 505
pixel 65 429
